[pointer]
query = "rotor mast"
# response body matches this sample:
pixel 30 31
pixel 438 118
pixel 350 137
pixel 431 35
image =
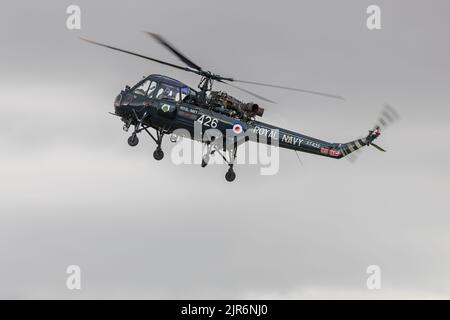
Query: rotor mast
pixel 205 85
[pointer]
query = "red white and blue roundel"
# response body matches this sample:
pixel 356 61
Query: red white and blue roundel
pixel 237 128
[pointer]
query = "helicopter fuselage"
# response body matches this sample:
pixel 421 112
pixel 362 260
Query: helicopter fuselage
pixel 169 116
pixel 169 106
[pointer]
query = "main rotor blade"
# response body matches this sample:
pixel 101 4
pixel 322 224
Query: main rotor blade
pixel 176 52
pixel 141 56
pixel 248 92
pixel 292 89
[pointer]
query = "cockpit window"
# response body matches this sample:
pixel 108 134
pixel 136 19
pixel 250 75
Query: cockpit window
pixel 185 91
pixel 142 89
pixel 168 92
pixel 151 89
pixel 188 95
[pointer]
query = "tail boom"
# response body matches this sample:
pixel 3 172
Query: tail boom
pixel 295 141
pixel 341 150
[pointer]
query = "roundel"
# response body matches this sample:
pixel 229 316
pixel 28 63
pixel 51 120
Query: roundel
pixel 237 128
pixel 165 107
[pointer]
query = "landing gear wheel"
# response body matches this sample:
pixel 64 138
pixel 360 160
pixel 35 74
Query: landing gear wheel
pixel 230 175
pixel 133 140
pixel 158 154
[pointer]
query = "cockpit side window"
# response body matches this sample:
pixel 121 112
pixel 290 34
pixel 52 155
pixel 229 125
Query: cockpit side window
pixel 151 89
pixel 188 95
pixel 142 88
pixel 185 91
pixel 168 92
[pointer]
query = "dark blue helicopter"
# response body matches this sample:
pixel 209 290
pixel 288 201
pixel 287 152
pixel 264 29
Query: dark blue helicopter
pixel 167 105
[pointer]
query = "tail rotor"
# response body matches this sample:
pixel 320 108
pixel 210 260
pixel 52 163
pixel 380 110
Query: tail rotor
pixel 388 116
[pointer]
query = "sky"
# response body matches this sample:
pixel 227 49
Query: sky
pixel 74 193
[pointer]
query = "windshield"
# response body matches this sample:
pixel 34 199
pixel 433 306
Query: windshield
pixel 145 88
pixel 142 88
pixel 168 92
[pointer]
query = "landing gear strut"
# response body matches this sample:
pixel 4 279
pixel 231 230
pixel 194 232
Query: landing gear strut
pixel 230 176
pixel 158 154
pixel 205 158
pixel 133 140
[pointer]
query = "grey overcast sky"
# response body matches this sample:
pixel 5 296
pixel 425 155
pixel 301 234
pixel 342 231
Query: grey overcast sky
pixel 73 192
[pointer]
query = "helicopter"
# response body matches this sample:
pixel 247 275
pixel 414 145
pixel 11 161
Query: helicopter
pixel 166 105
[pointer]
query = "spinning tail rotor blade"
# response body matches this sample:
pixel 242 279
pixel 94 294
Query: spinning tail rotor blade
pixel 141 56
pixel 176 52
pixel 248 92
pixel 323 94
pixel 388 116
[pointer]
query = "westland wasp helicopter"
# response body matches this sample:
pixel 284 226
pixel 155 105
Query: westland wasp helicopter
pixel 165 104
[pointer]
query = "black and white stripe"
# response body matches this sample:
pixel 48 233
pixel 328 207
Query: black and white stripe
pixel 387 117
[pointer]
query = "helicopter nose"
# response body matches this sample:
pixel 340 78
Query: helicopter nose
pixel 118 100
pixel 120 104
